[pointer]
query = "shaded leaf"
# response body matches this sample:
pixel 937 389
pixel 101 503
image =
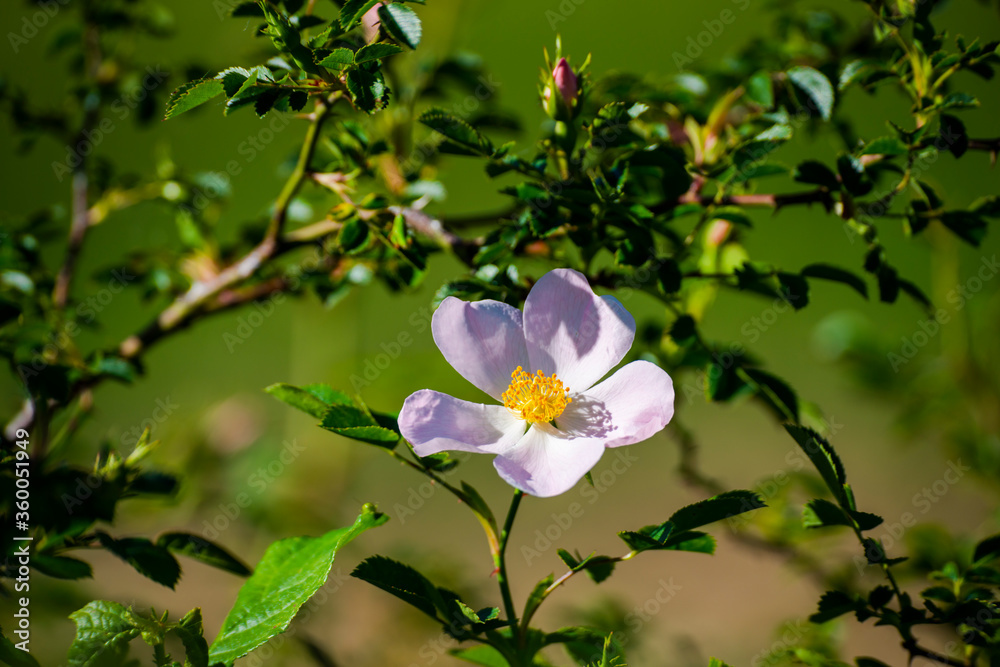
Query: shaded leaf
pixel 821 513
pixel 457 130
pixel 716 508
pixel 147 558
pixel 200 549
pixel 835 274
pixel 402 23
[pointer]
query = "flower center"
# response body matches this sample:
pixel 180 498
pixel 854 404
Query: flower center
pixel 535 398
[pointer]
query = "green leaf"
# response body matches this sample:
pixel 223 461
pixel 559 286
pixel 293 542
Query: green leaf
pixel 537 596
pixel 61 567
pixel 192 634
pixel 760 90
pixel 587 646
pixel 597 567
pixel 885 146
pixel 716 508
pixel 715 662
pixel 352 422
pixel 402 23
pixel 866 520
pixel 820 513
pixel 733 214
pixel 814 84
pixel 939 593
pixel 338 58
pixel 915 293
pixel 987 549
pixel 833 604
pixel 683 330
pixel 457 130
pixel 668 275
pixel 954 135
pixel 368 90
pixel 775 393
pixel 478 505
pixel 864 72
pixel 853 175
pixel 290 572
pixel 190 95
pixel 15 657
pixel 988 207
pixel 724 383
pixel 484 655
pixel 958 101
pixel 838 275
pixel 200 549
pixel 147 558
pixel 250 91
pixel 824 458
pixel 880 596
pixel 375 52
pixel 415 589
pixel 103 631
pixel 816 173
pixel 402 581
pixel 869 662
pixel 794 289
pixel 967 225
pixel 353 10
pixel 693 541
pixel 298 398
pixel 232 79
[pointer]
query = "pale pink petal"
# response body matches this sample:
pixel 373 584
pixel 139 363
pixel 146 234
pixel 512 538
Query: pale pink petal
pixel 434 422
pixel 483 341
pixel 629 407
pixel 546 462
pixel 573 332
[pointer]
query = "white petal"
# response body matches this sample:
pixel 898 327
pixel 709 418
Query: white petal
pixel 434 422
pixel 629 407
pixel 573 332
pixel 482 340
pixel 546 462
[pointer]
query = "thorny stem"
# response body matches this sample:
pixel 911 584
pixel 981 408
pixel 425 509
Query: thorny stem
pixel 200 293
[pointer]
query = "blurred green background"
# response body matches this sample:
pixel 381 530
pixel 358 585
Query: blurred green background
pixel 219 429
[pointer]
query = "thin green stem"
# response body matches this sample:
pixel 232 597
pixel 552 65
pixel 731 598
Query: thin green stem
pixel 500 561
pixel 301 171
pixel 566 577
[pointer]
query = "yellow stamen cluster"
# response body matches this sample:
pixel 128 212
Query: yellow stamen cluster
pixel 535 398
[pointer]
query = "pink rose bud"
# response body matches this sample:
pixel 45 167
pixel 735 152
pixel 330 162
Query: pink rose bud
pixel 370 24
pixel 565 79
pixel 718 232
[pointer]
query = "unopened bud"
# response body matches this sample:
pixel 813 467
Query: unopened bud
pixel 566 82
pixel 370 24
pixel 718 232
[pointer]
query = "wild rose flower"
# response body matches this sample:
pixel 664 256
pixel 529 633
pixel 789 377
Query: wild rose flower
pixel 554 422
